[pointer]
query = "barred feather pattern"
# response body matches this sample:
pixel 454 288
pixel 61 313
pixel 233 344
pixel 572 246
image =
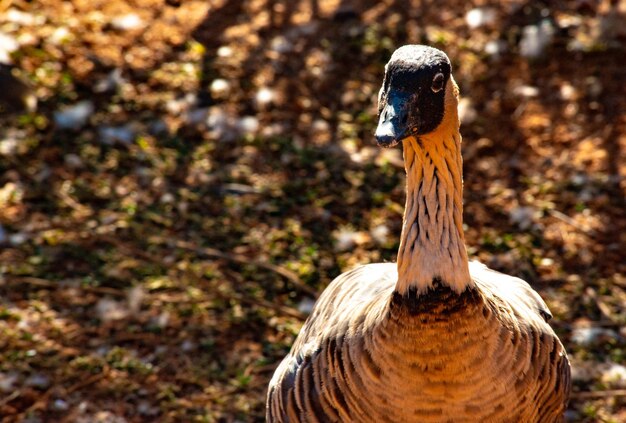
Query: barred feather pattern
pixel 369 355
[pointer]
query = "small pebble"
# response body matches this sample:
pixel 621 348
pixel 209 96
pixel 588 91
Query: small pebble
pixel 567 91
pixel 145 409
pixel 188 346
pixel 224 51
pixel 110 82
pixel 523 217
pixel 73 161
pixel 305 306
pixel 265 96
pixel 535 39
pixel 220 87
pixel 18 238
pixel 526 91
pixel 615 375
pixel 135 297
pixel 39 381
pixel 162 320
pixel 75 116
pixel 320 125
pixel 248 125
pixel 109 310
pixel 380 234
pixel 8 45
pixel 196 116
pixel 7 382
pixel 8 147
pixel 480 16
pixel 109 135
pixel 22 18
pixel 281 45
pixel 167 198
pixel 586 336
pixel 495 48
pixel 127 22
pixel 60 36
pixel 60 405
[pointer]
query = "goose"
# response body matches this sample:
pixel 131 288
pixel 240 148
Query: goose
pixel 433 337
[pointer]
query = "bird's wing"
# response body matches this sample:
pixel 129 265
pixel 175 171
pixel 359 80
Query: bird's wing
pixel 530 318
pixel 514 291
pixel 352 302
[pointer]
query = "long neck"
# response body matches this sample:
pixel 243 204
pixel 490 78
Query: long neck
pixel 432 243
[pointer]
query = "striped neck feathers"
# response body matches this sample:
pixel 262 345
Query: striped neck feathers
pixel 432 245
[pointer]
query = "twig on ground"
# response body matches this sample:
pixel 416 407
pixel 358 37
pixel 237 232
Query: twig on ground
pixel 44 283
pixel 565 218
pixel 262 303
pixel 214 253
pixel 89 381
pixel 241 259
pixel 10 397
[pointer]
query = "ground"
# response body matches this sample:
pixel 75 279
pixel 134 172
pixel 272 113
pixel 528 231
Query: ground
pixel 180 179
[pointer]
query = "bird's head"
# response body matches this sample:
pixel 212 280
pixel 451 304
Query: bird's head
pixel 417 93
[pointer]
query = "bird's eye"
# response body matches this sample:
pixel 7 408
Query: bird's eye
pixel 437 83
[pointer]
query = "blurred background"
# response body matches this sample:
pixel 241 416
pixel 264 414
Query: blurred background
pixel 180 178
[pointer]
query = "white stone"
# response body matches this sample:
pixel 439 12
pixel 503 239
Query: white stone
pixel 567 91
pixel 127 22
pixel 526 91
pixel 224 51
pixel 109 135
pixel 615 374
pixel 345 240
pixel 109 310
pixel 110 82
pixel 167 198
pixel 495 47
pixel 535 39
pixel 248 125
pixel 21 18
pixel 60 36
pixel 588 336
pixel 281 45
pixel 320 125
pixel 265 96
pixel 135 297
pixel 480 16
pixel 522 217
pixel 220 87
pixel 60 405
pixel 305 306
pixel 38 380
pixel 8 147
pixel 75 116
pixel 380 234
pixel 187 346
pixel 8 45
pixel 18 238
pixel 7 382
pixel 162 320
pixel 73 161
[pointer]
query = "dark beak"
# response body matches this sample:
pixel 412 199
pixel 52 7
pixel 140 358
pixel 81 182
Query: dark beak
pixel 393 121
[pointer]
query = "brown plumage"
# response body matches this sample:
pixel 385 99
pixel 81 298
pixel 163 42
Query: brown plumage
pixel 432 338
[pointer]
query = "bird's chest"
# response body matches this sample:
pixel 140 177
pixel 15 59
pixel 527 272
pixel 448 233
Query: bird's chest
pixel 444 359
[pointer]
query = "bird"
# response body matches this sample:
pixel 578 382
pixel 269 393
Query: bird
pixel 433 337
